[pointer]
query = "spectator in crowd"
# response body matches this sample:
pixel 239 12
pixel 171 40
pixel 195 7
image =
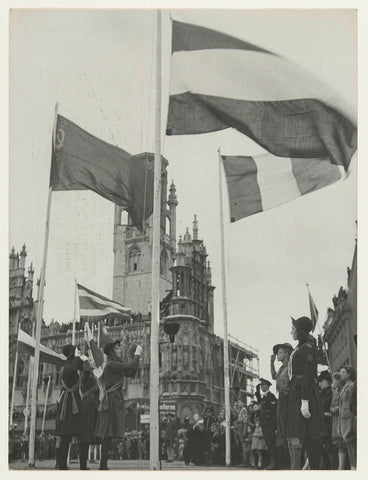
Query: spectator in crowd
pixel 259 445
pixel 346 423
pixel 305 421
pixel 170 429
pixel 241 425
pixel 335 438
pixel 324 381
pixel 267 413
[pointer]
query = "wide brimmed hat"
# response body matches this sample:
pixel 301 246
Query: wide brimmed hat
pixel 263 380
pixel 286 346
pixel 109 347
pixel 325 375
pixel 304 325
pixel 69 350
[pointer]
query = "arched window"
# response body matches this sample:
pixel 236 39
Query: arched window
pixel 134 259
pixel 164 263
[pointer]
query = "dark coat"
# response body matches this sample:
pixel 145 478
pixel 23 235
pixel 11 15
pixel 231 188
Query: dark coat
pixel 326 397
pixel 303 385
pixel 90 403
pixel 111 415
pixel 70 422
pixel 267 409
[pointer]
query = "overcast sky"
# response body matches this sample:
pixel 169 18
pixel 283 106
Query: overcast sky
pixel 99 66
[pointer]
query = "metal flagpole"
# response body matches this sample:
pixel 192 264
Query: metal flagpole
pixel 75 310
pixel 224 306
pixel 155 280
pixel 32 435
pixel 45 408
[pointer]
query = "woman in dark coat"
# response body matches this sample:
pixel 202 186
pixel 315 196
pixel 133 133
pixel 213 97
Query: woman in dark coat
pixel 68 417
pixel 90 402
pixel 305 422
pixel 111 413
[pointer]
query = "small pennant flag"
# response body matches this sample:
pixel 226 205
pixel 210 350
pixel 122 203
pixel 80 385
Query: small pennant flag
pixel 93 306
pixel 265 181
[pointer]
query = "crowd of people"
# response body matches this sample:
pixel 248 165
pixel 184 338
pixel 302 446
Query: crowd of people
pixel 310 424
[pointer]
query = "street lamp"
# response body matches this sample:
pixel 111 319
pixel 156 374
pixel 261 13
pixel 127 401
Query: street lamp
pixel 171 328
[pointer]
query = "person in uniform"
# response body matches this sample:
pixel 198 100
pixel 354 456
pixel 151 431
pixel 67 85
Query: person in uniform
pixel 305 426
pixel 111 412
pixel 90 402
pixel 68 416
pixel 267 413
pixel 282 352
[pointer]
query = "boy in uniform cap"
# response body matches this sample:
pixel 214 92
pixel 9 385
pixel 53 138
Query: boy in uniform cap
pixel 111 413
pixel 282 352
pixel 325 393
pixel 267 403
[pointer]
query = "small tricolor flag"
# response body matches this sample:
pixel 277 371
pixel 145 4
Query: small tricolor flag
pixel 313 310
pixel 93 306
pixel 264 181
pixel 96 352
pixel 218 82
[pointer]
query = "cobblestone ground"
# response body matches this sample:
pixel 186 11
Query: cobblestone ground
pixel 115 465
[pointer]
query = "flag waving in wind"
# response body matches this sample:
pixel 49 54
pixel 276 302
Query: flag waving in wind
pixel 81 161
pixel 264 181
pixel 218 81
pixel 94 306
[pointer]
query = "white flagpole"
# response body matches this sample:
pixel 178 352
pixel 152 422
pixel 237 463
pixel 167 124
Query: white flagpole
pixel 14 383
pixel 28 391
pixel 155 291
pixel 32 435
pixel 45 408
pixel 224 307
pixel 75 310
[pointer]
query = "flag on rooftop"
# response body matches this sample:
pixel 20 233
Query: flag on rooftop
pixel 26 343
pixel 313 310
pixel 218 81
pixel 94 306
pixel 81 161
pixel 265 181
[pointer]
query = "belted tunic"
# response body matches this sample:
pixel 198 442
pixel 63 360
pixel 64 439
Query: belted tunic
pixel 68 416
pixel 111 411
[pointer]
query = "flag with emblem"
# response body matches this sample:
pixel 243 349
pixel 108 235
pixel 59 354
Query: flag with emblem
pixel 81 161
pixel 219 81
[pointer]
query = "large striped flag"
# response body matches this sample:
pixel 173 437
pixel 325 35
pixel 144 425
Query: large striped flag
pixel 93 306
pixel 218 81
pixel 264 181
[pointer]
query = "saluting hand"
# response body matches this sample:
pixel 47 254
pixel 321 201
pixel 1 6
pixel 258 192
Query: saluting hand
pixel 138 351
